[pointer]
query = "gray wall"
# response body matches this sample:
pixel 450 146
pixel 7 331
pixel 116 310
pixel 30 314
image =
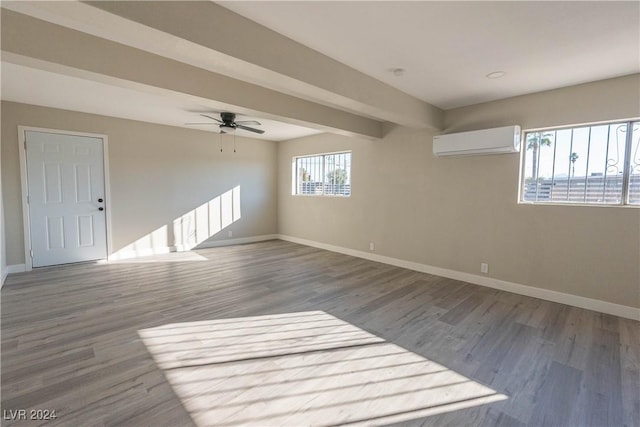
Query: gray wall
pixel 451 213
pixel 3 246
pixel 157 174
pixel 455 213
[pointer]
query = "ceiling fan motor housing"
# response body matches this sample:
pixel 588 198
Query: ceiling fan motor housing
pixel 228 118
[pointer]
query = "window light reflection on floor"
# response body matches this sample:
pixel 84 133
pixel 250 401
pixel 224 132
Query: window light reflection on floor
pixel 307 368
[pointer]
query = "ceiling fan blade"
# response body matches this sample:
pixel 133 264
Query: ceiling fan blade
pixel 201 124
pixel 211 117
pixel 260 131
pixel 248 122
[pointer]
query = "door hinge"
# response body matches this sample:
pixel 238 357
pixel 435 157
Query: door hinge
pixel 28 199
pixel 31 253
pixel 25 145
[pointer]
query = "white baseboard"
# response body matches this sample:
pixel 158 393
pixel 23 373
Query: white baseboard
pixel 16 268
pixel 3 277
pixel 238 241
pixel 545 294
pixel 128 254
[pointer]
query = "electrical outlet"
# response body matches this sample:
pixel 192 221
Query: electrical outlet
pixel 372 246
pixel 484 268
pixel 230 233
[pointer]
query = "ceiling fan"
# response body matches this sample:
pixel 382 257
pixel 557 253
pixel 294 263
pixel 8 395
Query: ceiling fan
pixel 228 123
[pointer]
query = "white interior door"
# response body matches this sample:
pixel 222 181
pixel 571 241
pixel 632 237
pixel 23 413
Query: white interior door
pixel 65 178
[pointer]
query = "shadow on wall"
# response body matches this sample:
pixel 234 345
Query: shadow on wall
pixel 189 230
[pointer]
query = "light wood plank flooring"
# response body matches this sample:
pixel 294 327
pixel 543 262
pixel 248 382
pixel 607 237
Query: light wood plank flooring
pixel 275 333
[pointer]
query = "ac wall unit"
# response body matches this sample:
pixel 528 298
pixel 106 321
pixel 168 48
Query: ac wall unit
pixel 478 142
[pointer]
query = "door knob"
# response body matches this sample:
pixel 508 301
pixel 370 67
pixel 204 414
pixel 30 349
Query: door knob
pixel 100 200
pixel 100 208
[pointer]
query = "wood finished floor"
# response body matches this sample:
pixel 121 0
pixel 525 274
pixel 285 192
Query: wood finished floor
pixel 275 333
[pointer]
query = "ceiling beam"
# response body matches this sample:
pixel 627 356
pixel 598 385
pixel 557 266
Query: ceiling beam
pixel 207 35
pixel 36 43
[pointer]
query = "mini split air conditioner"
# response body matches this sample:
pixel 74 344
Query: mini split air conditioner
pixel 478 142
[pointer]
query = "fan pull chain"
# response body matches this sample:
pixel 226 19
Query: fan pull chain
pixel 234 142
pixel 220 139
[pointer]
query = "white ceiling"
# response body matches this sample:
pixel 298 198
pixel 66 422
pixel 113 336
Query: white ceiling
pixel 447 48
pixel 44 88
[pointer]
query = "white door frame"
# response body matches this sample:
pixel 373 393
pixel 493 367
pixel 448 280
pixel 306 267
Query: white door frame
pixel 26 220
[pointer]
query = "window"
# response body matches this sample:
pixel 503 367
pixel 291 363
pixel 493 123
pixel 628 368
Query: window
pixel 593 164
pixel 323 175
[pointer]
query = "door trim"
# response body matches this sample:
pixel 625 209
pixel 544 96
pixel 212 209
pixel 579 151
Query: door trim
pixel 26 220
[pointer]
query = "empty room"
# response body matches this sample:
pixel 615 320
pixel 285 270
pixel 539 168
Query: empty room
pixel 296 213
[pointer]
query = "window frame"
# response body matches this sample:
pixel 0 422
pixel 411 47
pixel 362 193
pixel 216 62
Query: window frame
pixel 294 174
pixel 626 174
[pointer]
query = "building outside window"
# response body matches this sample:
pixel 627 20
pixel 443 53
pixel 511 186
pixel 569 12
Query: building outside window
pixel 323 174
pixel 592 164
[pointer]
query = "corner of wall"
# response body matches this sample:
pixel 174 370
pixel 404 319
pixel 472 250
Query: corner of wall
pixel 3 258
pixel 3 261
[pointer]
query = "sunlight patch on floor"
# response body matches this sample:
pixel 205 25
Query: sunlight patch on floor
pixel 307 368
pixel 163 258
